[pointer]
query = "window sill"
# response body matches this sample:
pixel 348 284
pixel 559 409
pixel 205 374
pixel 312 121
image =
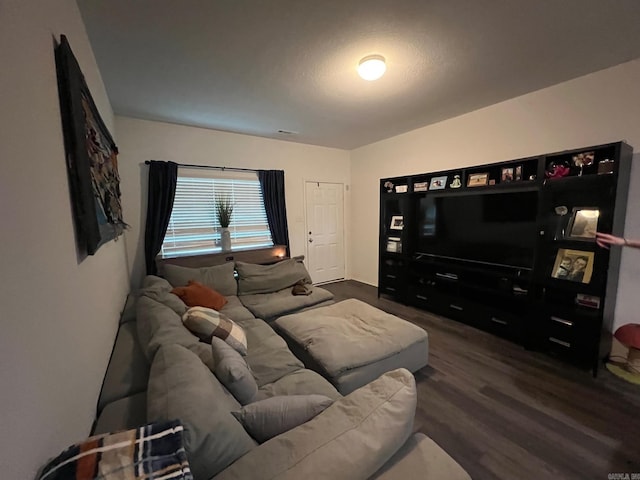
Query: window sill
pixel 263 256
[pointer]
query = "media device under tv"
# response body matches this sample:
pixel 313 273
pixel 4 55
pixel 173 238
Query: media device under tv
pixel 497 228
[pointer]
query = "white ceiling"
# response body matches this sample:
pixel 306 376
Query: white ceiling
pixel 259 66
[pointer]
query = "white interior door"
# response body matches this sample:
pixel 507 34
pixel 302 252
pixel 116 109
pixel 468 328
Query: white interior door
pixel 325 231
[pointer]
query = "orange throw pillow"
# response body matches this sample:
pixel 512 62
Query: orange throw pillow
pixel 198 295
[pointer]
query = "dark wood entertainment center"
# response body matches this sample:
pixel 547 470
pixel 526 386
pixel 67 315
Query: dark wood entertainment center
pixel 499 246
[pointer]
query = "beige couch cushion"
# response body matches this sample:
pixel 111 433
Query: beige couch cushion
pixel 272 305
pixel 351 439
pixel 233 372
pixel 181 387
pixel 128 369
pixel 300 382
pixel 159 325
pixel 267 353
pixel 349 334
pixel 253 278
pixel 235 310
pixel 218 277
pixel 159 289
pixel 421 457
pixel 267 418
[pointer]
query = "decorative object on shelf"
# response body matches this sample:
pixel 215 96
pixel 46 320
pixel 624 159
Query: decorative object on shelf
pixel 532 177
pixel 456 183
pixel 561 210
pixel 223 209
pixel 401 189
pixel 478 180
pixel 506 175
pixel 584 159
pixel 557 169
pixel 517 176
pixel 397 222
pixel 573 265
pixel 438 183
pixel 583 224
pixel 627 368
pixel 388 186
pixel 591 301
pixel 605 166
pixel 394 245
pixel 492 181
pixel 421 186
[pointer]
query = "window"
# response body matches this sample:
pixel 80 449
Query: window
pixel 193 228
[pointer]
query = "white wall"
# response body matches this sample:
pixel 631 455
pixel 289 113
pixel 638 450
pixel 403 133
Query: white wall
pixel 59 317
pixel 598 108
pixel 141 140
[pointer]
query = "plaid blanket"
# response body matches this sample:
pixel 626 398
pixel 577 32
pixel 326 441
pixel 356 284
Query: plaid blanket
pixel 154 451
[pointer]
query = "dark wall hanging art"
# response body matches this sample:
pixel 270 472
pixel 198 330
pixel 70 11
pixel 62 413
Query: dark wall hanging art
pixel 91 158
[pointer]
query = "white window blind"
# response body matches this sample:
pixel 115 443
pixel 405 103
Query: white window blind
pixel 193 228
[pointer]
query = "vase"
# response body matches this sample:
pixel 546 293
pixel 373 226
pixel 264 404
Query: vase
pixel 225 239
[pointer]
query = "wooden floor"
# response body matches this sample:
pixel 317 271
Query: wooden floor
pixel 507 413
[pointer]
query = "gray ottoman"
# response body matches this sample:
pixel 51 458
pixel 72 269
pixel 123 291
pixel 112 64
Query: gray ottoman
pixel 352 343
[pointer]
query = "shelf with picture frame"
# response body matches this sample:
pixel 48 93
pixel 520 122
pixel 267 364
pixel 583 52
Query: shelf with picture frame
pixel 394 213
pixel 514 172
pixel 529 304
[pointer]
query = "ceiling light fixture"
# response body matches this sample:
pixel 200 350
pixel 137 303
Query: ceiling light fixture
pixel 372 67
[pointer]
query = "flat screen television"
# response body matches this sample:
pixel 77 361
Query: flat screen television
pixel 497 228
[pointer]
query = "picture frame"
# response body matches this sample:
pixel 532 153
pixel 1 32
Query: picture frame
pixel 583 224
pixel 573 265
pixel 91 158
pixel 517 175
pixel 421 186
pixel 438 183
pixel 402 188
pixel 478 179
pixel 394 245
pixel 506 175
pixel 397 222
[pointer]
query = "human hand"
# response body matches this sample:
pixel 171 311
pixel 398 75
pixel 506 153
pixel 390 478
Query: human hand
pixel 604 240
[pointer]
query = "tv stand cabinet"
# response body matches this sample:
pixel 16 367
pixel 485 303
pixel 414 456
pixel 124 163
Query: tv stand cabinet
pixel 488 297
pixel 534 306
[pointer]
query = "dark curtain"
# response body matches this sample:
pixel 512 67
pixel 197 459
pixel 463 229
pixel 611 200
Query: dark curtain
pixel 272 185
pixel 162 190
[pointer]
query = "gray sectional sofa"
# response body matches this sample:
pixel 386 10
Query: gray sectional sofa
pixel 161 371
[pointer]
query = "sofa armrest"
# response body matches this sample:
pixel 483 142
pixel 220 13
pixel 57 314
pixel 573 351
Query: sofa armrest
pixel 351 439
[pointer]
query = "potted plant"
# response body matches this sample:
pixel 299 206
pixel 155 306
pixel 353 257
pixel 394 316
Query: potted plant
pixel 224 208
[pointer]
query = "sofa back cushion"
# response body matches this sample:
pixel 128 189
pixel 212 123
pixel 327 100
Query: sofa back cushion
pixel 253 278
pixel 159 325
pixel 181 387
pixel 219 277
pixel 267 418
pixel 233 372
pixel 159 289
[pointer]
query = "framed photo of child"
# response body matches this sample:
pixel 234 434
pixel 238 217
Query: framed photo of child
pixel 573 265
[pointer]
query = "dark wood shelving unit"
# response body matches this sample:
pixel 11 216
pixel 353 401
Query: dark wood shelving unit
pixel 525 303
